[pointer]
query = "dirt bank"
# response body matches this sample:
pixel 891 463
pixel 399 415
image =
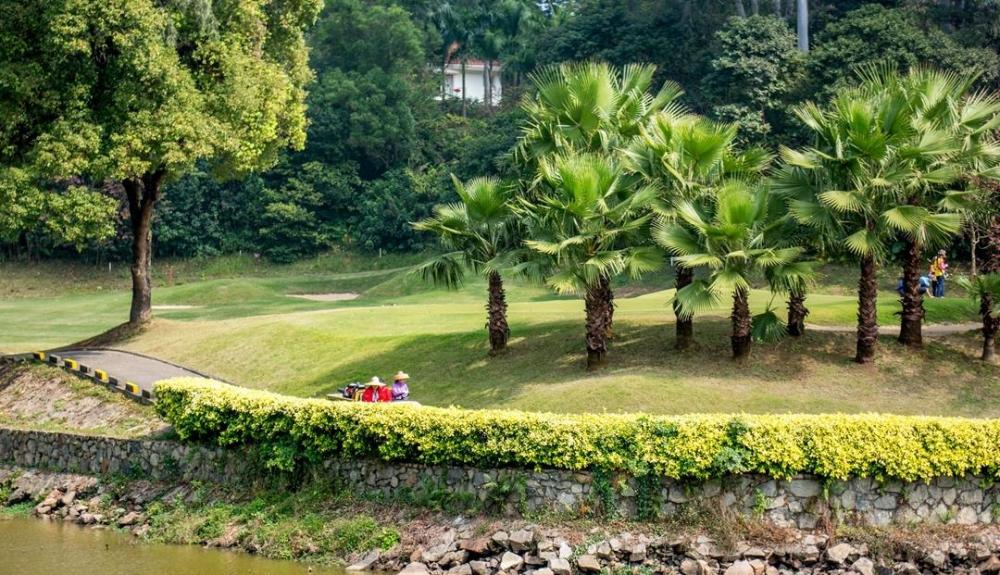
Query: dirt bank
pixel 49 399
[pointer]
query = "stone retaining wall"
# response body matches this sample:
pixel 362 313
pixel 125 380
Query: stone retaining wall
pixel 801 502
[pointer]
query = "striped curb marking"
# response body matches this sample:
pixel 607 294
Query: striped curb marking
pixel 98 375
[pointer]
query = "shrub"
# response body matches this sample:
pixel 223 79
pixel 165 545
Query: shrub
pixel 693 447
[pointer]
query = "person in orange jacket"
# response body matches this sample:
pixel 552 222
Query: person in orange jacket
pixel 376 391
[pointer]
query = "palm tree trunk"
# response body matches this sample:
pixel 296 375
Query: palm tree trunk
pixel 489 87
pixel 497 312
pixel 867 315
pixel 685 325
pixel 464 103
pixel 142 196
pixel 991 325
pixel 741 324
pixel 444 79
pixel 600 308
pixel 797 312
pixel 912 318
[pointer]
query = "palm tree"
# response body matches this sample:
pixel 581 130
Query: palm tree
pixel 589 107
pixel 483 235
pixel 588 222
pixel 946 140
pixel 686 156
pixel 985 289
pixel 849 187
pixel 732 237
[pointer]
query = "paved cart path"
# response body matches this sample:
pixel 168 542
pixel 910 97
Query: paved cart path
pixel 138 369
pixel 928 330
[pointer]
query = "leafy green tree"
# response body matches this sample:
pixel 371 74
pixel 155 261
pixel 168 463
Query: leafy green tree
pixel 71 214
pixel 201 216
pixel 483 235
pixel 356 36
pixel 754 74
pixel 873 34
pixel 685 157
pixel 389 204
pixel 849 187
pixel 985 290
pixel 733 238
pixel 589 222
pixel 290 228
pixel 372 87
pixel 138 91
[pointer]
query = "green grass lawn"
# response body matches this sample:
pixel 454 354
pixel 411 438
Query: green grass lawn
pixel 248 330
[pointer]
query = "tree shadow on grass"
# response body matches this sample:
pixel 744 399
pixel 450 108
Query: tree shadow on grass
pixel 455 368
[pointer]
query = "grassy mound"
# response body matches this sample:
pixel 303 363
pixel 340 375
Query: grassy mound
pixel 242 324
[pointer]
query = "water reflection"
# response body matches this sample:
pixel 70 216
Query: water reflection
pixel 36 547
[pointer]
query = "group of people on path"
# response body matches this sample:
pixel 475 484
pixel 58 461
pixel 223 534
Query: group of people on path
pixel 376 390
pixel 933 282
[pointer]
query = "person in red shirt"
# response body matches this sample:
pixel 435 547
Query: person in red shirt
pixel 376 391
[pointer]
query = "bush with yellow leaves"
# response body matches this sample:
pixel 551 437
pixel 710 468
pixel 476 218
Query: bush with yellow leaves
pixel 693 447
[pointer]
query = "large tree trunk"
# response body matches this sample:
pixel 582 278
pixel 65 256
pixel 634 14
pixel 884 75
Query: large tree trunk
pixel 741 324
pixel 497 311
pixel 802 24
pixel 991 325
pixel 797 312
pixel 755 7
pixel 867 315
pixel 740 10
pixel 600 307
pixel 912 318
pixel 685 325
pixel 142 196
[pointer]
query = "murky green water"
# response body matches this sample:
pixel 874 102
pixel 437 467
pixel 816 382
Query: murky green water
pixel 36 547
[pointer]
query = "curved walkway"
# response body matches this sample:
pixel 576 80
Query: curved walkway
pixel 126 366
pixel 928 330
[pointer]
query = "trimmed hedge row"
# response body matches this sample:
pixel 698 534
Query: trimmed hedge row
pixel 291 430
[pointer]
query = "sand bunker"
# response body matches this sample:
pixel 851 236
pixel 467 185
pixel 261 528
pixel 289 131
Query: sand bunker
pixel 345 296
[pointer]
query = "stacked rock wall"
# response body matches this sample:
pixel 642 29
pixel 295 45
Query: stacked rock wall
pixel 801 502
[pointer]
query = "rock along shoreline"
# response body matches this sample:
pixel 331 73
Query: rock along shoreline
pixel 434 543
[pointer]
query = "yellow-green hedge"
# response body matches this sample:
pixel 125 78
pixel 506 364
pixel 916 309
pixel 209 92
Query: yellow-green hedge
pixel 291 429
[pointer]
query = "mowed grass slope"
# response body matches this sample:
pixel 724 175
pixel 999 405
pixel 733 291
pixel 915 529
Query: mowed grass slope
pixel 248 330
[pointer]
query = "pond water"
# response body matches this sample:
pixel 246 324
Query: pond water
pixel 31 546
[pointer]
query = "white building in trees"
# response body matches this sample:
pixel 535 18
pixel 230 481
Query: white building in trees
pixel 481 78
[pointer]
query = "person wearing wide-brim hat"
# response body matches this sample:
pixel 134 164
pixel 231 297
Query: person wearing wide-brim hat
pixel 400 386
pixel 375 391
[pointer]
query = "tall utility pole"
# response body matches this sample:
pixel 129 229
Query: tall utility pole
pixel 802 17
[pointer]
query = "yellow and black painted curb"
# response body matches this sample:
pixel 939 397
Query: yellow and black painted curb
pixel 100 376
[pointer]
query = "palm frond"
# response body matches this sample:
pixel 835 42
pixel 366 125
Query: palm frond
pixel 767 327
pixel 446 270
pixel 695 297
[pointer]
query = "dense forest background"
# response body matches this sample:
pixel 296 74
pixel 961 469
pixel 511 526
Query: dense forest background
pixel 382 145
